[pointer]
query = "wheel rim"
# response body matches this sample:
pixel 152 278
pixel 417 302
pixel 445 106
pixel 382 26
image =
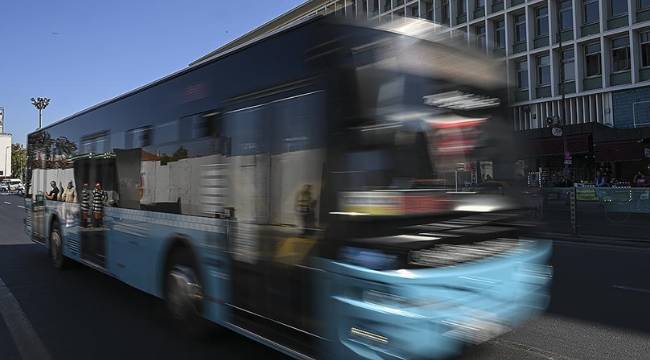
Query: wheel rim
pixel 55 246
pixel 185 294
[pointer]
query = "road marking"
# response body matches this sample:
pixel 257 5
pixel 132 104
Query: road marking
pixel 27 341
pixel 7 202
pixel 530 349
pixel 623 287
pixel 20 206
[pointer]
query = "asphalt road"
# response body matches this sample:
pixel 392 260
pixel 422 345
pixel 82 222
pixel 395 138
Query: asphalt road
pixel 600 310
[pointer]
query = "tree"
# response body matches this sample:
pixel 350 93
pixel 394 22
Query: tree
pixel 18 160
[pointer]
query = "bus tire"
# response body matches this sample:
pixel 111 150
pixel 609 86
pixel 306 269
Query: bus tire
pixel 56 248
pixel 183 293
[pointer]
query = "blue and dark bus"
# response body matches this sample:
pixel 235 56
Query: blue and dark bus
pixel 332 190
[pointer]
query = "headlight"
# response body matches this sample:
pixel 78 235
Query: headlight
pixel 372 259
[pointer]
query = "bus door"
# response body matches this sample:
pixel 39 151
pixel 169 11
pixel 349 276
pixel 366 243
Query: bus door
pixel 275 193
pixel 95 178
pixel 38 189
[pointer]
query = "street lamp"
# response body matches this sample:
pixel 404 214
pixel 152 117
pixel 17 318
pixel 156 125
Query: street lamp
pixel 40 103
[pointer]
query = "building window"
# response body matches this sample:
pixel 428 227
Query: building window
pixel 543 70
pixel 592 59
pixel 500 34
pixel 480 36
pixel 388 4
pixel 444 12
pixel 645 49
pixel 541 21
pixel 460 7
pixel 617 7
pixel 479 4
pixel 428 10
pixel 644 4
pixel 621 54
pixel 590 13
pixel 566 15
pixel 375 7
pixel 520 28
pixel 522 75
pixel 568 68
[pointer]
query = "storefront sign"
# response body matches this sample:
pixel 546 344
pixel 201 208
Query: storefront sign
pixel 586 194
pixel 556 131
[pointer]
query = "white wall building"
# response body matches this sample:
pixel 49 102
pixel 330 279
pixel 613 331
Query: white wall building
pixel 5 148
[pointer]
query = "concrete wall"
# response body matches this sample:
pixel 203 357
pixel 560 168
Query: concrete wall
pixel 5 155
pixel 631 107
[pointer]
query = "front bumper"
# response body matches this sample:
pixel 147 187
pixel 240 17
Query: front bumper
pixel 455 306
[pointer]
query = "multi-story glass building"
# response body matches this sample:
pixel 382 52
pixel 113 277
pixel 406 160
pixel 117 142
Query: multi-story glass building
pixel 601 69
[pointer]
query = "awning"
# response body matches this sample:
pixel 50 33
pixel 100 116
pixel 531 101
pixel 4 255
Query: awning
pixel 619 151
pixel 551 146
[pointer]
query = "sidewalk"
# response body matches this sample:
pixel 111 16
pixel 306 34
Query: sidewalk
pixel 603 240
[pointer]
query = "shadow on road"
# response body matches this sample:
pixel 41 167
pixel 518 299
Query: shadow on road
pixel 80 313
pixel 604 284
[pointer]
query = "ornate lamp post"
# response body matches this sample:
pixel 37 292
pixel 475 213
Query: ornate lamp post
pixel 40 103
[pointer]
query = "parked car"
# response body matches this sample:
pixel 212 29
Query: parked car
pixel 9 185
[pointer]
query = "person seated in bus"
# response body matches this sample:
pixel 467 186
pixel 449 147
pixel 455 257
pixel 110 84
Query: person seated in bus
pixel 305 205
pixel 85 206
pixel 54 192
pixel 99 197
pixel 69 194
pixel 61 191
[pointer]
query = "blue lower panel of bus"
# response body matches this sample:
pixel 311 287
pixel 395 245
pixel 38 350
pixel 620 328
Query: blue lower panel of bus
pixel 135 244
pixel 432 313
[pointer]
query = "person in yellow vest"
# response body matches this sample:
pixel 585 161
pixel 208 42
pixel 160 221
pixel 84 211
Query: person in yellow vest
pixel 305 207
pixel 69 194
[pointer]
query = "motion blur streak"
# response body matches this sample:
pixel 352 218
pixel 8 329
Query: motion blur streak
pixel 360 198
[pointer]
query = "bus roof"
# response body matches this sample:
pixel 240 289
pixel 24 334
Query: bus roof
pixel 175 74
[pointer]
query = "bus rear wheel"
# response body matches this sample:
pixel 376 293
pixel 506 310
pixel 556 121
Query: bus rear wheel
pixel 184 293
pixel 56 248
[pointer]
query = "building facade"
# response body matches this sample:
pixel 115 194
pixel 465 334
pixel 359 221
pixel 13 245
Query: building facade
pixel 591 57
pixel 603 66
pixel 5 148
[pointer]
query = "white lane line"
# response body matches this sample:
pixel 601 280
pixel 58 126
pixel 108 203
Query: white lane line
pixel 20 206
pixel 630 288
pixel 7 202
pixel 545 354
pixel 25 337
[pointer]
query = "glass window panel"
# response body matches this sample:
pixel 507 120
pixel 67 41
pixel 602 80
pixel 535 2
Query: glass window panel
pixel 618 7
pixel 522 75
pixel 568 65
pixel 500 34
pixel 592 64
pixel 591 13
pixel 643 4
pixel 520 28
pixel 645 55
pixel 566 15
pixel 541 21
pixel 543 70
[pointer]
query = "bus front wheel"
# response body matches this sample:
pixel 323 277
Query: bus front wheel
pixel 184 293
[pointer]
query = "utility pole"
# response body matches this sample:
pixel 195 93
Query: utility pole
pixel 40 103
pixel 562 120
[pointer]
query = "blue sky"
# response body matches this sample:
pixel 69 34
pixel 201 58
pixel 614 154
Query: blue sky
pixel 79 53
